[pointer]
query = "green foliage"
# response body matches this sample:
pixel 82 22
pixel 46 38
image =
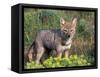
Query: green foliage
pixel 73 60
pixel 82 29
pixel 32 65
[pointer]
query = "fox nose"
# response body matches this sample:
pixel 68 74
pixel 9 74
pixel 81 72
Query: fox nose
pixel 68 36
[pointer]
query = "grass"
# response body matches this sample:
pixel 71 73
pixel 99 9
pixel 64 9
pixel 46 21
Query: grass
pixel 73 60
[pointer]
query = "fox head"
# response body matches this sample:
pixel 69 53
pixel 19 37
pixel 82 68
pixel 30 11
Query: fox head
pixel 68 28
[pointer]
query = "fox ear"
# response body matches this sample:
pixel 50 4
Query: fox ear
pixel 62 21
pixel 74 21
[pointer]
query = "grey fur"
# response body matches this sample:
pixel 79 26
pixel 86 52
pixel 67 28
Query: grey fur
pixel 57 40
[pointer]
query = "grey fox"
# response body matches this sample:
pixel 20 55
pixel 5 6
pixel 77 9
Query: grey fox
pixel 58 40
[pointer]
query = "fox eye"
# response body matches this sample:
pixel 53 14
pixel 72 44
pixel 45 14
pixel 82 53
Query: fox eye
pixel 65 30
pixel 71 30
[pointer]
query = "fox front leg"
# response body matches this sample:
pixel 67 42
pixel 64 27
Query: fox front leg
pixel 64 49
pixel 59 54
pixel 66 54
pixel 59 51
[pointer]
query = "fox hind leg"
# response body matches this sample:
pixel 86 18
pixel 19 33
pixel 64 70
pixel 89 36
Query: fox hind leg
pixel 39 54
pixel 29 55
